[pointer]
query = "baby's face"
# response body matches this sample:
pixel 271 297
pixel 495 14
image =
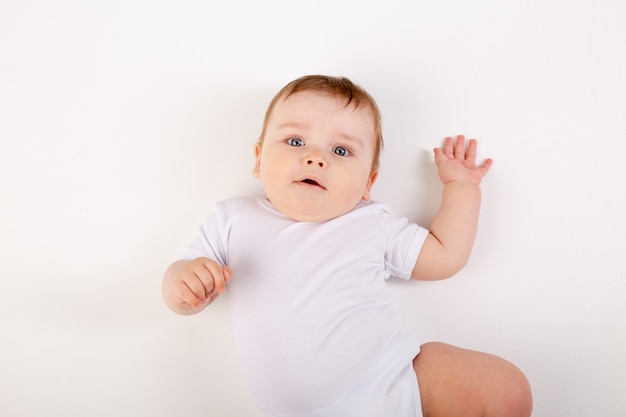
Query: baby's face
pixel 316 158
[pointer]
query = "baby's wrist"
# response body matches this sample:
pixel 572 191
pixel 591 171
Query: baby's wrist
pixel 462 183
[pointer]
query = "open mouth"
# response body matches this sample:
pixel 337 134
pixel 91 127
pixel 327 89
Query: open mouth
pixel 312 182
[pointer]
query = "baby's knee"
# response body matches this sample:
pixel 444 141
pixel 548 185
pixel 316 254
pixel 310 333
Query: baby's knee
pixel 515 397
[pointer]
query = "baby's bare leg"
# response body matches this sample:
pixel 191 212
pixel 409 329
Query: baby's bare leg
pixel 458 382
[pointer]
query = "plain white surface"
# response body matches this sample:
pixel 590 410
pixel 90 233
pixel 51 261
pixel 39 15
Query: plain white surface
pixel 121 123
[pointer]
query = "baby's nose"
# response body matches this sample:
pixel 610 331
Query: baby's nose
pixel 318 161
pixel 315 157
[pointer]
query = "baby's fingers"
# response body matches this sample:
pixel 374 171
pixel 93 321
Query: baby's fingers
pixel 200 282
pixel 448 148
pixel 189 290
pixel 220 275
pixel 459 147
pixel 470 155
pixel 486 165
pixel 195 282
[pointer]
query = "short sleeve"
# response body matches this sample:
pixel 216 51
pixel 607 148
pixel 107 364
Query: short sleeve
pixel 211 241
pixel 404 241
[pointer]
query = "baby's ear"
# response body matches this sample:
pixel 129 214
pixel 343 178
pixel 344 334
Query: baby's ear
pixel 368 187
pixel 256 171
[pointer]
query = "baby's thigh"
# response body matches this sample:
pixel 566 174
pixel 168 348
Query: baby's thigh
pixel 454 381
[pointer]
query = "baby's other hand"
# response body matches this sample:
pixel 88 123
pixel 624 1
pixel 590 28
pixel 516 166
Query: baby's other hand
pixel 455 163
pixel 199 282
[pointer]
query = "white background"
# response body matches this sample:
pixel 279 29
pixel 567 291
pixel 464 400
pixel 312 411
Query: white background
pixel 123 122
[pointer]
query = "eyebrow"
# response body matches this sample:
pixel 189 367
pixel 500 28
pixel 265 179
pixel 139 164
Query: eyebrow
pixel 297 125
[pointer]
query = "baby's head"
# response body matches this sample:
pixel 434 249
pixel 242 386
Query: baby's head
pixel 344 90
pixel 317 156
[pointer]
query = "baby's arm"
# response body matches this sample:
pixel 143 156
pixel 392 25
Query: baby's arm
pixel 189 286
pixel 452 232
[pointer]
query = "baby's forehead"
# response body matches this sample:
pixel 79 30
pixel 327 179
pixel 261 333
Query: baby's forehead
pixel 304 96
pixel 301 101
pixel 307 111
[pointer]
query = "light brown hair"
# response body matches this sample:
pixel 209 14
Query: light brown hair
pixel 340 87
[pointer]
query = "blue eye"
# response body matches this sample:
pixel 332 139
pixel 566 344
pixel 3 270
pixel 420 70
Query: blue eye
pixel 341 151
pixel 295 142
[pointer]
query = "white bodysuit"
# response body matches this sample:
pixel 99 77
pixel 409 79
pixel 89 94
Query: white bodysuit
pixel 316 332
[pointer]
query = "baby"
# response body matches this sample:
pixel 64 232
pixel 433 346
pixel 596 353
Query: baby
pixel 305 268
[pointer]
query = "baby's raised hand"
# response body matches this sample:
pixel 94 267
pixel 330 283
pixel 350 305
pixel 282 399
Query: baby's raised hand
pixel 455 163
pixel 200 281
